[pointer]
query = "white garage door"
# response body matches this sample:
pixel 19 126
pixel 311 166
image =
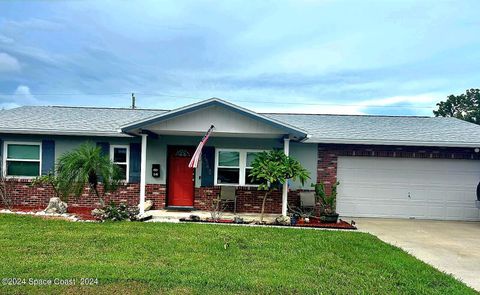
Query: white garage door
pixel 408 188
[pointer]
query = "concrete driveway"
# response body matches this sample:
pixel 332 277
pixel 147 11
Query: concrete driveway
pixel 450 246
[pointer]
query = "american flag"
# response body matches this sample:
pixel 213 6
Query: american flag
pixel 194 161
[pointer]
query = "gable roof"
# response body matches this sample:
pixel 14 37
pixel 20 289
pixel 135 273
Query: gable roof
pixel 291 129
pixel 385 130
pixel 57 120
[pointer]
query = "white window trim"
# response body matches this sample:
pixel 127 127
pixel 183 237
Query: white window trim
pixel 127 147
pixel 242 166
pixel 4 158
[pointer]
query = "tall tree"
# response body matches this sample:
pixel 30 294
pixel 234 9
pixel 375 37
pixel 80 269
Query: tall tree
pixel 464 106
pixel 87 166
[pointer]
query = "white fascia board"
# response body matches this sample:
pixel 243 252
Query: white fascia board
pixel 57 132
pixel 395 142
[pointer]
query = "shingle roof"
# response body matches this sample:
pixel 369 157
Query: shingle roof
pixel 70 120
pixel 401 130
pixel 395 130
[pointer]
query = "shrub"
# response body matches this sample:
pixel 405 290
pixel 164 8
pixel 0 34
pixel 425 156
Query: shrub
pixel 328 202
pixel 114 212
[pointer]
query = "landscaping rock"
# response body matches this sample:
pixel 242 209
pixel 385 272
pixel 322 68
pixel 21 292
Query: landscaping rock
pixel 284 220
pixel 194 218
pixel 147 205
pixel 55 205
pixel 98 213
pixel 238 220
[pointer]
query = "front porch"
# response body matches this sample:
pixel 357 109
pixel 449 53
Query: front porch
pixel 168 143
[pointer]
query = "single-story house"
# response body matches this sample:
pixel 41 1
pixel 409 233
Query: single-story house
pixel 388 166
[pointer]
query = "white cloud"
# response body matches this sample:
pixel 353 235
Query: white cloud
pixel 23 95
pixel 5 39
pixel 312 58
pixel 421 104
pixel 8 105
pixel 8 63
pixel 32 23
pixel 424 100
pixel 311 109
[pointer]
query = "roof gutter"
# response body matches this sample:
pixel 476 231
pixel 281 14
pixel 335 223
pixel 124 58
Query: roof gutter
pixel 396 142
pixel 69 133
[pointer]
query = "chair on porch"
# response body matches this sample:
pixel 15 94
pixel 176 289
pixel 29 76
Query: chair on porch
pixel 307 200
pixel 228 195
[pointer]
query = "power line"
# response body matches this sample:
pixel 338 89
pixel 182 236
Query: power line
pixel 253 100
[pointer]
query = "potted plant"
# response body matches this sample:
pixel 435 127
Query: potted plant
pixel 328 202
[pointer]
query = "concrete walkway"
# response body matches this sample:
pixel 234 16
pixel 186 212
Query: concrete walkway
pixel 174 215
pixel 450 246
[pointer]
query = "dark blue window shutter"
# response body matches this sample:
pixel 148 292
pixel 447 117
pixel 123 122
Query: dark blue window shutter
pixel 48 156
pixel 135 158
pixel 105 147
pixel 208 165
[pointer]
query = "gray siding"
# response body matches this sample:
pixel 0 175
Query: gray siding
pixel 307 154
pixel 65 143
pixel 157 153
pixel 157 149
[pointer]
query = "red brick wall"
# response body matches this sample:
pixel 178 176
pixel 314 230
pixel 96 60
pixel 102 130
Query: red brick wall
pixel 329 153
pixel 23 194
pixel 155 192
pixel 249 199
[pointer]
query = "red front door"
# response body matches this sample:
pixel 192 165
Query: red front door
pixel 181 180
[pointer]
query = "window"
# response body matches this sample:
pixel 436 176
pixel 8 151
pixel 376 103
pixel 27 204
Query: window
pixel 248 167
pixel 234 166
pixel 228 171
pixel 120 154
pixel 22 159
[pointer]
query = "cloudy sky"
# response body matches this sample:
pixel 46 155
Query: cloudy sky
pixel 374 57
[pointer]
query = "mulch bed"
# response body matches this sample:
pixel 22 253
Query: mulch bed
pixel 313 224
pixel 339 225
pixel 83 213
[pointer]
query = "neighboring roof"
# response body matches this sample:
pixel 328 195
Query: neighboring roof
pixel 342 129
pixel 291 129
pixel 57 120
pixel 393 130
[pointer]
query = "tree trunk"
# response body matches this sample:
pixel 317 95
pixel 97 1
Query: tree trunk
pixel 97 193
pixel 263 205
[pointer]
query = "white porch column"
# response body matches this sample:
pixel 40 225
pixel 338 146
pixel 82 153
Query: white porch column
pixel 286 150
pixel 143 173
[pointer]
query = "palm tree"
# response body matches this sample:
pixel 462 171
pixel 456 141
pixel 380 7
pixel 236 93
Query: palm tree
pixel 87 166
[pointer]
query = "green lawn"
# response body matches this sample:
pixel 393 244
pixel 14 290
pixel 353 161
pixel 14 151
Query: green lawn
pixel 146 258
